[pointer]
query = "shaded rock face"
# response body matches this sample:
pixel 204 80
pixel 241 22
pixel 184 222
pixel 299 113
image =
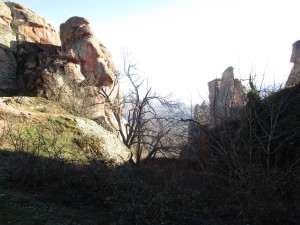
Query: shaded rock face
pixel 18 26
pixel 226 101
pixel 8 65
pixel 294 77
pixel 8 71
pixel 226 96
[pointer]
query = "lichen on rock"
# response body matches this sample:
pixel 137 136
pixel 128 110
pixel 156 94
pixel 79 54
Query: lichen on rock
pixel 36 124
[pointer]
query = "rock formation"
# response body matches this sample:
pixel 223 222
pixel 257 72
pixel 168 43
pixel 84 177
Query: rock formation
pixel 226 96
pixel 226 99
pixel 8 64
pixel 30 27
pixel 79 75
pixel 69 133
pixel 18 26
pixel 71 67
pixel 294 77
pixel 33 63
pixel 81 47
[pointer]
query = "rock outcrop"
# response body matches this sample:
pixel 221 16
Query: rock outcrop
pixel 30 27
pixel 226 100
pixel 71 67
pixel 33 63
pixel 8 64
pixel 81 47
pixel 294 77
pixel 79 76
pixel 226 96
pixel 7 35
pixel 19 26
pixel 76 138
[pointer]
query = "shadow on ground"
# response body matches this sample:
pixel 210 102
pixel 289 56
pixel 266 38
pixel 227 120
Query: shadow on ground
pixel 40 190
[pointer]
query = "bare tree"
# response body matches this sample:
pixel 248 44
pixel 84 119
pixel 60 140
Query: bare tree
pixel 263 137
pixel 272 128
pixel 146 130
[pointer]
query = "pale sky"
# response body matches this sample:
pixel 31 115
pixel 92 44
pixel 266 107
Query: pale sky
pixel 180 45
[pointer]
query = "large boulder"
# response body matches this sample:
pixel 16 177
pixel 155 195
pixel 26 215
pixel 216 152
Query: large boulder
pixel 35 122
pixel 294 77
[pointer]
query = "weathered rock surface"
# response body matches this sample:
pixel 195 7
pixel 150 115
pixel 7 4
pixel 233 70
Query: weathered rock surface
pixel 32 63
pixel 8 65
pixel 226 96
pixel 294 77
pixel 81 47
pixel 72 134
pixel 226 100
pixel 19 26
pixel 78 77
pixel 7 35
pixel 8 72
pixel 30 27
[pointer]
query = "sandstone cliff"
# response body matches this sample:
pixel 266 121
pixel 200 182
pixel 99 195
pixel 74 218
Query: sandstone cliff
pixel 19 25
pixel 71 67
pixel 33 63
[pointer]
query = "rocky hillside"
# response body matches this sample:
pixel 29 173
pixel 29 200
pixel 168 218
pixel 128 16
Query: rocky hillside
pixel 71 68
pixel 268 118
pixel 33 124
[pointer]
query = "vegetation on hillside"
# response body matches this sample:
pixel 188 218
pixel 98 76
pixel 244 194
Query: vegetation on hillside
pixel 251 176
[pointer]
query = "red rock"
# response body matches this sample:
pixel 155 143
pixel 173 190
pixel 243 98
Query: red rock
pixel 31 27
pixel 79 45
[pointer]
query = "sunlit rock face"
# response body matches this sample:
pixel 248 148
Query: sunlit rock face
pixel 83 69
pixel 81 47
pixel 294 77
pixel 226 96
pixel 7 35
pixel 71 67
pixel 30 27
